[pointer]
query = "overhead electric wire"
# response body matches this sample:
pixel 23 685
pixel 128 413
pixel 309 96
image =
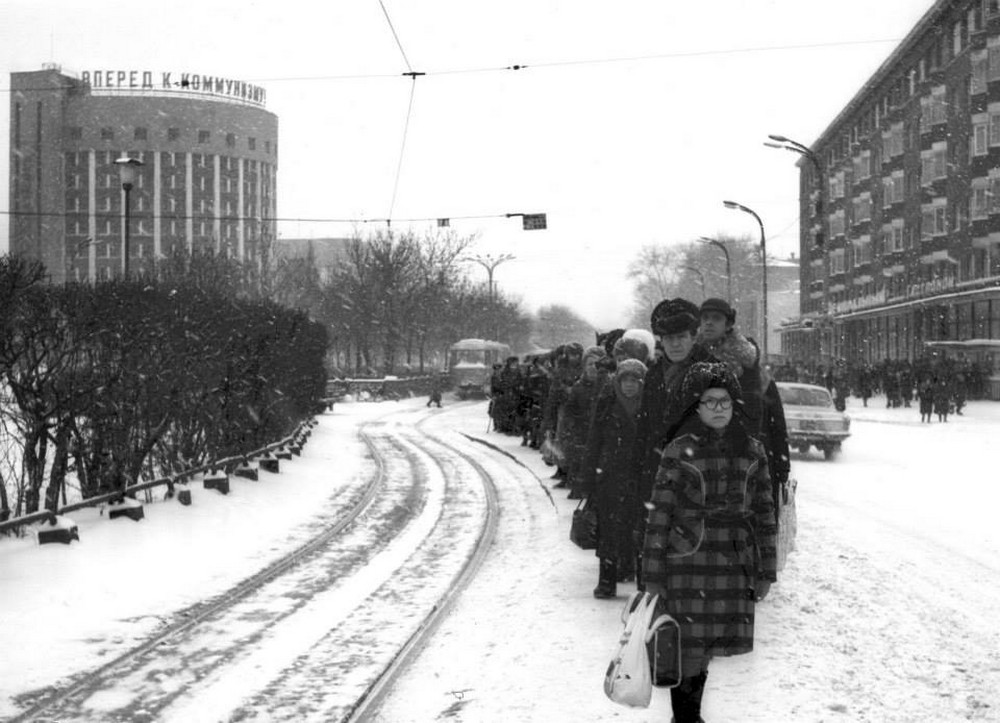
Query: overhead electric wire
pixel 137 215
pixel 396 36
pixel 550 64
pixel 402 148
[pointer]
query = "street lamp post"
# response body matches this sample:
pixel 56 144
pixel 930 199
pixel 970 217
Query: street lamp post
pixel 763 254
pixel 729 272
pixel 788 144
pixel 127 168
pixel 701 278
pixel 490 262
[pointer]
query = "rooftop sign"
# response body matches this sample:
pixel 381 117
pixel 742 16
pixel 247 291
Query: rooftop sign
pixel 187 83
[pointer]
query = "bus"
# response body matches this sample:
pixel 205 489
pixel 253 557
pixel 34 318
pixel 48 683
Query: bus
pixel 470 364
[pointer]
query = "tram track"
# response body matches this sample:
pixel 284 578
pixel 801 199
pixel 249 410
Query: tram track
pixel 161 678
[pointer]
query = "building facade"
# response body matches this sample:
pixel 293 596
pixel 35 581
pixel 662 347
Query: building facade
pixel 900 201
pixel 209 153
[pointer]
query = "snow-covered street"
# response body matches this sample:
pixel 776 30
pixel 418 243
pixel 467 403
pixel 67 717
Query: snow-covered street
pixel 884 613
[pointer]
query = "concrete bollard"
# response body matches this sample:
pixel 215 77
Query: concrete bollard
pixel 129 508
pixel 283 453
pixel 246 472
pixel 61 529
pixel 269 464
pixel 184 496
pixel 217 481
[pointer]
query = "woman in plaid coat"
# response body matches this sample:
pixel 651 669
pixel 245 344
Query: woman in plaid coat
pixel 709 549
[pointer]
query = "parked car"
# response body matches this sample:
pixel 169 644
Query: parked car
pixel 812 418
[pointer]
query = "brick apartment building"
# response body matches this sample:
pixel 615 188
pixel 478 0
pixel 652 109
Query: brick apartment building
pixel 900 202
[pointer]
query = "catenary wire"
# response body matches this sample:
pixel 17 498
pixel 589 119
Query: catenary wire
pixel 555 63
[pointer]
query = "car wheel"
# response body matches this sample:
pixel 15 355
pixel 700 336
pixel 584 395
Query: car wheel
pixel 803 448
pixel 829 452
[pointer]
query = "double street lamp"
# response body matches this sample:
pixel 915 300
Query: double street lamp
pixel 490 262
pixel 779 141
pixel 127 171
pixel 729 272
pixel 763 255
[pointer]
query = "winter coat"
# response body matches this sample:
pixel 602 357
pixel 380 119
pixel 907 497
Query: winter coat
pixel 575 422
pixel 607 480
pixel 926 395
pixel 942 397
pixel 710 537
pixel 660 413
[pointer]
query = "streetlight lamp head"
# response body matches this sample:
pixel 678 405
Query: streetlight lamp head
pixel 127 169
pixel 778 138
pixel 774 145
pixel 730 204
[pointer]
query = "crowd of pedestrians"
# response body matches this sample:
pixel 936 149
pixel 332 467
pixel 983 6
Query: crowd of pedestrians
pixel 675 435
pixel 939 386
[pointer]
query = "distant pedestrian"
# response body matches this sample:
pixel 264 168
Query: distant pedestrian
pixel 942 399
pixel 925 394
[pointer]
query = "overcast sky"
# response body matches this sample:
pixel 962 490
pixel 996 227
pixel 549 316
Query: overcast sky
pixel 630 125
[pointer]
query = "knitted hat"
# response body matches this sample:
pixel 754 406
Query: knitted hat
pixel 673 316
pixel 647 338
pixel 709 375
pixel 721 306
pixel 631 368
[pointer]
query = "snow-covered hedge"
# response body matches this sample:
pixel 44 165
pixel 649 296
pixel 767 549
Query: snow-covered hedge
pixel 101 384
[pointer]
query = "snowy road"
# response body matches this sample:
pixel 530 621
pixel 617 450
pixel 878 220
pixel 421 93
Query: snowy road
pixel 884 614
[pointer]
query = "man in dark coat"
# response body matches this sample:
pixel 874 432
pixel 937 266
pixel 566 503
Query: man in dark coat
pixel 674 322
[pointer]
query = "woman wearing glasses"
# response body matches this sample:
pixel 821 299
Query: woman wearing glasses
pixel 709 550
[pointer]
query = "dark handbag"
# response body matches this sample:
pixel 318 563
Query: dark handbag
pixel 583 531
pixel 664 648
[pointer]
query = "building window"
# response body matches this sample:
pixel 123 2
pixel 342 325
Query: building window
pixel 140 134
pixel 895 236
pixel 977 80
pixel 979 199
pixel 173 134
pixel 231 140
pixel 252 144
pixel 75 133
pixel 993 58
pixel 203 136
pixel 980 136
pixel 862 207
pixel 934 163
pixel 267 147
pixel 107 134
pixel 934 219
pixel 956 38
pixel 863 250
pixel 837 261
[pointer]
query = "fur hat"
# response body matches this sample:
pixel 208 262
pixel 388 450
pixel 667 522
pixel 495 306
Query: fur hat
pixel 673 316
pixel 631 349
pixel 720 306
pixel 631 368
pixel 709 375
pixel 596 352
pixel 647 338
pixel 573 347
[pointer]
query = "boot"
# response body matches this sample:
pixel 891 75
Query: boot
pixel 607 587
pixel 686 699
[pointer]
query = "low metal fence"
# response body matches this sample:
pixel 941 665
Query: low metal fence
pixel 226 463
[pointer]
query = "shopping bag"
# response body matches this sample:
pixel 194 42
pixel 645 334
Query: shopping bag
pixel 583 529
pixel 628 679
pixel 664 649
pixel 787 522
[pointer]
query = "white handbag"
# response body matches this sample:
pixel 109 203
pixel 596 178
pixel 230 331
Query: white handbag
pixel 628 679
